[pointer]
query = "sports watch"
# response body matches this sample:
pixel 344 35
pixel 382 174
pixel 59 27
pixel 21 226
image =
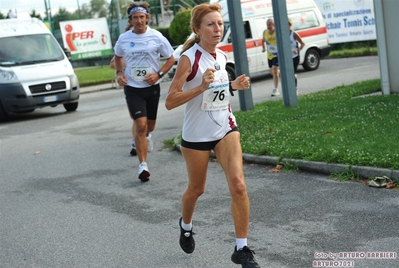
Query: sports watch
pixel 160 73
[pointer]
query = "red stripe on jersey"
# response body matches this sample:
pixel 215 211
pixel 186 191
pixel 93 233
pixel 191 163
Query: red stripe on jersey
pixel 194 68
pixel 231 121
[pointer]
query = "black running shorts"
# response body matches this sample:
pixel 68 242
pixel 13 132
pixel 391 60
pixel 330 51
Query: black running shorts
pixel 203 146
pixel 143 102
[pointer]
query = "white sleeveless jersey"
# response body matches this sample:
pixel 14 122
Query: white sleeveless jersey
pixel 294 44
pixel 141 52
pixel 200 124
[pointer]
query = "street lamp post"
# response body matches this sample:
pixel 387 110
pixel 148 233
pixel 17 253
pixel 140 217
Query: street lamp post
pixel 48 7
pixel 80 16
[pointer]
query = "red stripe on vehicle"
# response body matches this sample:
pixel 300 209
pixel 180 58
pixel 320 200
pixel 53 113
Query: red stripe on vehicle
pixel 313 31
pixel 248 44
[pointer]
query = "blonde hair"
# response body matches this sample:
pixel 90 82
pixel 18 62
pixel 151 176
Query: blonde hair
pixel 197 14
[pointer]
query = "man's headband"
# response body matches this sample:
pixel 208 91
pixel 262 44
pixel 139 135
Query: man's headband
pixel 138 9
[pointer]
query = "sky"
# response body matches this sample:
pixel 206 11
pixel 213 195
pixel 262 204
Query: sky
pixel 24 7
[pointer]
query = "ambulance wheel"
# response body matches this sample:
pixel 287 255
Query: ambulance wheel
pixel 231 72
pixel 70 107
pixel 312 60
pixel 3 114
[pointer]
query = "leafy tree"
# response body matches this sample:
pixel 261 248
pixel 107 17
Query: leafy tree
pixel 33 14
pixel 99 8
pixel 179 28
pixel 62 15
pixel 2 16
pixel 85 12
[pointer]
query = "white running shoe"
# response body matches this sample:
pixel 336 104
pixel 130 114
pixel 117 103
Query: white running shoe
pixel 275 92
pixel 150 143
pixel 144 173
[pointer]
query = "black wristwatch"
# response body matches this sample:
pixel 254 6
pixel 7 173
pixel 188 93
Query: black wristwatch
pixel 160 73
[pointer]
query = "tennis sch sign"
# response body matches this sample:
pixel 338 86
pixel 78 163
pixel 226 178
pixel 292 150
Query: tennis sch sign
pixel 348 20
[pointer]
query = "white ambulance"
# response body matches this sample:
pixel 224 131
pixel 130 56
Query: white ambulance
pixel 307 22
pixel 35 72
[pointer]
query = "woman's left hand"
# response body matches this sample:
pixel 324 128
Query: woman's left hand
pixel 242 82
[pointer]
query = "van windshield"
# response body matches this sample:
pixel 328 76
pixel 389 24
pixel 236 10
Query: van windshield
pixel 29 49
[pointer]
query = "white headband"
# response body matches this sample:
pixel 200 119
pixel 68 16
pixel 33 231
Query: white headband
pixel 138 9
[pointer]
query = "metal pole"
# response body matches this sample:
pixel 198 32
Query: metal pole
pixel 45 6
pixel 80 16
pixel 162 11
pixel 118 8
pixel 284 52
pixel 382 47
pixel 240 51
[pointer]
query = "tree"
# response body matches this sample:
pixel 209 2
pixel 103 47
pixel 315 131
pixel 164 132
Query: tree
pixel 85 12
pixel 179 28
pixel 99 8
pixel 62 15
pixel 33 14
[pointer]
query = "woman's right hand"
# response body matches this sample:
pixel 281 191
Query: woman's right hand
pixel 208 77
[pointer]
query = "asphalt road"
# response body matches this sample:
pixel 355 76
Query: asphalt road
pixel 70 196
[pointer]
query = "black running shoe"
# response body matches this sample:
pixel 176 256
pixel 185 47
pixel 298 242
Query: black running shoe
pixel 187 242
pixel 133 150
pixel 245 257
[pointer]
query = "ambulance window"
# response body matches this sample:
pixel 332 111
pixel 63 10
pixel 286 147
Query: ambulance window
pixel 259 24
pixel 226 28
pixel 304 20
pixel 247 30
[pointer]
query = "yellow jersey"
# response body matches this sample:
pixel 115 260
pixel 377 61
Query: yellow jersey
pixel 271 44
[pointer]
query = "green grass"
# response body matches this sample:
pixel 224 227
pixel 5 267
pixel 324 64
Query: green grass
pixel 94 75
pixel 330 126
pixel 362 51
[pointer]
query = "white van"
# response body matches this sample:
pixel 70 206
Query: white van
pixel 307 22
pixel 35 72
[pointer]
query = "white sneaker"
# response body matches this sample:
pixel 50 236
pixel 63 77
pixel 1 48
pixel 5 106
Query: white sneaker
pixel 144 174
pixel 275 92
pixel 150 143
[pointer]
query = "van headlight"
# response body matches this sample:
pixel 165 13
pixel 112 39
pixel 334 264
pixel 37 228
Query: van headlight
pixel 7 76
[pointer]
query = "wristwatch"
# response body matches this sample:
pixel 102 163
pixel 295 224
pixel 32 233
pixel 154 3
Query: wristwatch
pixel 160 73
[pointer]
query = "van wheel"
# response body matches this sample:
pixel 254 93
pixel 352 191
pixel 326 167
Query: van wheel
pixel 3 114
pixel 70 107
pixel 312 60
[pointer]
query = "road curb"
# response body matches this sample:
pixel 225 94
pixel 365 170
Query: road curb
pixel 312 166
pixel 318 167
pixel 324 168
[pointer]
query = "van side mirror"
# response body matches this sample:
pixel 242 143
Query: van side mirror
pixel 67 53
